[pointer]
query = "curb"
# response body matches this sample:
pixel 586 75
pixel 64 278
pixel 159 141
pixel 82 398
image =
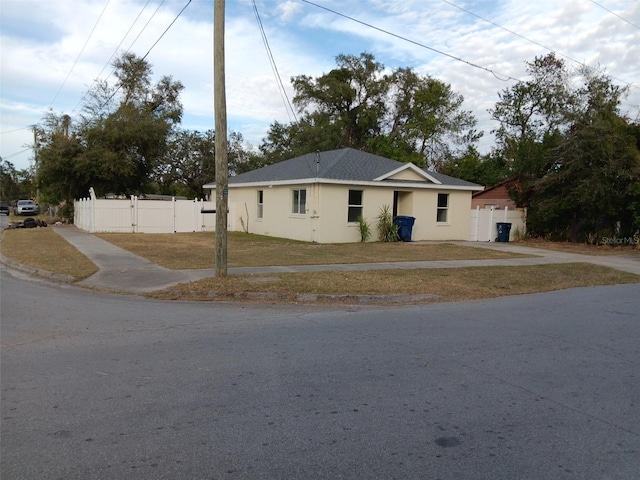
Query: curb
pixel 58 277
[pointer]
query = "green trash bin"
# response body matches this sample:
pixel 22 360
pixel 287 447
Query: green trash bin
pixel 503 231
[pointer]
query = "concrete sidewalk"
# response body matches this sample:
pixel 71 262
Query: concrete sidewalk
pixel 123 271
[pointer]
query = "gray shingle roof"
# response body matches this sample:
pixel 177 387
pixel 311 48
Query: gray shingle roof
pixel 345 164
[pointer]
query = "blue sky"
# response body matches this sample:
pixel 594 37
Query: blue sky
pixel 41 39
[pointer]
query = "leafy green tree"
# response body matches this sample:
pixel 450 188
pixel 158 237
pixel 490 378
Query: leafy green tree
pixel 188 163
pixel 487 170
pixel 427 122
pixel 14 184
pixel 400 115
pixel 596 168
pixel 349 101
pixel 531 115
pixel 118 142
pixel 574 155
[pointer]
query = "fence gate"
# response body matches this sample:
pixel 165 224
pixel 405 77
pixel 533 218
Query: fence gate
pixel 484 223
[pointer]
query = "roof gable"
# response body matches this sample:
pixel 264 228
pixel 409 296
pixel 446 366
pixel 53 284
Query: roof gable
pixel 408 171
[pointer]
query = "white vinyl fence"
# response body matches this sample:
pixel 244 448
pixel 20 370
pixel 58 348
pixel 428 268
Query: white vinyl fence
pixel 144 216
pixel 484 223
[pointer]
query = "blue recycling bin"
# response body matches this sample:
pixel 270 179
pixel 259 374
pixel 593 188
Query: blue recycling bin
pixel 503 231
pixel 405 227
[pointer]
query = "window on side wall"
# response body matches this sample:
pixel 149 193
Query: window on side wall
pixel 443 207
pixel 355 206
pixel 260 203
pixel 299 206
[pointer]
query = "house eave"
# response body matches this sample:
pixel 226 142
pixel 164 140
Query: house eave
pixel 406 185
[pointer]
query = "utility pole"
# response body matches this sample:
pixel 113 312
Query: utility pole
pixel 222 166
pixel 35 162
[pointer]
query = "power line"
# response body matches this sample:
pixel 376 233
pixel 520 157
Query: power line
pixel 121 42
pixel 17 153
pixel 150 48
pixel 16 130
pixel 614 13
pixel 145 25
pixel 123 39
pixel 166 29
pixel 80 54
pixel 274 67
pixel 492 72
pixel 528 39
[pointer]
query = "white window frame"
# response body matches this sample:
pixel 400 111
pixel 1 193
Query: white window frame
pixel 358 206
pixel 260 204
pixel 442 210
pixel 299 205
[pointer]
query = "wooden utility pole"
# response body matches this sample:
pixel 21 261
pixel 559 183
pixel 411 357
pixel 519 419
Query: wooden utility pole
pixel 222 166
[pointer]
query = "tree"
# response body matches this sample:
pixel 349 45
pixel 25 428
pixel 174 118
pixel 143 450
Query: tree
pixel 427 120
pixel 596 168
pixel 188 164
pixel 119 140
pixel 487 170
pixel 531 115
pixel 574 155
pixel 349 100
pixel 14 184
pixel 400 115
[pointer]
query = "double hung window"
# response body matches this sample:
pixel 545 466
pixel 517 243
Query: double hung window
pixel 299 204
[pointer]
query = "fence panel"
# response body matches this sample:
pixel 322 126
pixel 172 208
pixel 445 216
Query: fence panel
pixel 112 216
pixel 484 223
pixel 144 216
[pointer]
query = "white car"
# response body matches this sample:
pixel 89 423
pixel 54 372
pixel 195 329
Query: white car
pixel 26 207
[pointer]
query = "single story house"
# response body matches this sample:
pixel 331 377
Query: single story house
pixel 318 197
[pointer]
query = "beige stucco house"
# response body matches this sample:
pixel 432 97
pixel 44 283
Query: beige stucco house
pixel 318 197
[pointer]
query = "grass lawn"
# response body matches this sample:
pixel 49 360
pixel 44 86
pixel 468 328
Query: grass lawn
pixel 45 249
pixel 197 250
pixel 452 284
pixel 583 248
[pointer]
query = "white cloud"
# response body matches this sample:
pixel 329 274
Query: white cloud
pixel 40 41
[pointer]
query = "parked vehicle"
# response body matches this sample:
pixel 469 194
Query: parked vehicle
pixel 4 208
pixel 26 207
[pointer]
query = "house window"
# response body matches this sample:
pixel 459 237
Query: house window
pixel 443 207
pixel 299 202
pixel 260 203
pixel 355 205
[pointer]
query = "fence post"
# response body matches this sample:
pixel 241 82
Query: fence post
pixel 173 204
pixel 491 224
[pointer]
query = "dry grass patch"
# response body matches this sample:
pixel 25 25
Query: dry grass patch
pixel 448 284
pixel 44 249
pixel 583 248
pixel 197 250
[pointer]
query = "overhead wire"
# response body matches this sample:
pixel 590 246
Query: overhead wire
pixel 123 39
pixel 145 56
pixel 440 52
pixel 81 52
pixel 166 29
pixel 274 67
pixel 118 48
pixel 150 48
pixel 614 13
pixel 528 39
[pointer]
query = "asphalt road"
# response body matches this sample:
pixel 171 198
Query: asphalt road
pixel 99 386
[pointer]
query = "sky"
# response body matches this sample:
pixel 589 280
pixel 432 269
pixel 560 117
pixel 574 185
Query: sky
pixel 52 51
